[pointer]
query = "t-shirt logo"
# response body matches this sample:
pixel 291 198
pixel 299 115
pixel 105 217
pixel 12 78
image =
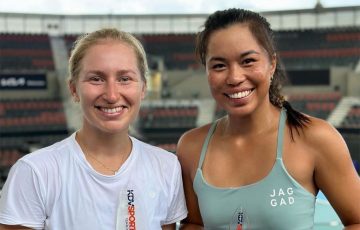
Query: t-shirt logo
pixel 126 213
pixel 282 197
pixel 131 210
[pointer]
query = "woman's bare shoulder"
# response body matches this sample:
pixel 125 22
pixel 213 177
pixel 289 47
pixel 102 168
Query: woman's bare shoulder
pixel 324 139
pixel 190 144
pixel 320 131
pixel 194 135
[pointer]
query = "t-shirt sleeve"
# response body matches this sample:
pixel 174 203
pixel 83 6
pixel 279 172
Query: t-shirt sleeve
pixel 177 205
pixel 22 199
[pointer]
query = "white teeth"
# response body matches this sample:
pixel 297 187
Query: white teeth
pixel 240 94
pixel 112 110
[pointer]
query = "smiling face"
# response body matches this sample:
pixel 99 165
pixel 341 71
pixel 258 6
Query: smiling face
pixel 109 87
pixel 238 69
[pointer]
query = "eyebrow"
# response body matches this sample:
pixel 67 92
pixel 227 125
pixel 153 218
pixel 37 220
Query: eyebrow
pixel 242 55
pixel 93 72
pixel 100 72
pixel 248 53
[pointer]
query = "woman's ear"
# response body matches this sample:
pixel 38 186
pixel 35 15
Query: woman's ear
pixel 73 91
pixel 273 63
pixel 143 90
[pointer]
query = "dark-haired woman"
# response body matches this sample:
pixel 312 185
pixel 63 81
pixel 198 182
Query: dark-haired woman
pixel 261 165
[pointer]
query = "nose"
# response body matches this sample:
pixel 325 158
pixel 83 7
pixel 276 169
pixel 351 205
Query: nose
pixel 111 93
pixel 235 75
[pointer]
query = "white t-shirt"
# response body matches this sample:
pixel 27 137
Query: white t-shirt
pixel 56 188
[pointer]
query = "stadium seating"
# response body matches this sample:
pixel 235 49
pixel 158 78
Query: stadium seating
pixel 315 104
pixel 177 51
pixel 69 41
pixel 352 119
pixel 172 116
pixel 8 157
pixel 319 49
pixel 300 49
pixel 163 124
pixel 25 124
pixel 25 52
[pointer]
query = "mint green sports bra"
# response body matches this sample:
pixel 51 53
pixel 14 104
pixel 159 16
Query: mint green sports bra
pixel 275 202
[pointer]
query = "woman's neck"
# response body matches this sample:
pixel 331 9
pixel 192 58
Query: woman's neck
pixel 259 121
pixel 104 143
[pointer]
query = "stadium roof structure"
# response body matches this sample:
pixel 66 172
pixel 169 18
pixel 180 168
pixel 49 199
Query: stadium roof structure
pixel 51 24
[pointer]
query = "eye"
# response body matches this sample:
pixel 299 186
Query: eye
pixel 95 79
pixel 124 79
pixel 248 61
pixel 217 66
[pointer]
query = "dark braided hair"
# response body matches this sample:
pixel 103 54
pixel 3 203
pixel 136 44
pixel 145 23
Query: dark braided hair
pixel 264 35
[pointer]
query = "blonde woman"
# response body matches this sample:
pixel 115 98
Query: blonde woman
pixel 99 177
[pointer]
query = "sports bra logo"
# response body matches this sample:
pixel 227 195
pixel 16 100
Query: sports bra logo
pixel 281 196
pixel 239 221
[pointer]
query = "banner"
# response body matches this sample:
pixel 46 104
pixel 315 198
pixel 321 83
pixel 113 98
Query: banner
pixel 22 81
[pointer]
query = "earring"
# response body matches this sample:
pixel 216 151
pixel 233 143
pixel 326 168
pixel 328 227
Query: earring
pixel 271 79
pixel 76 99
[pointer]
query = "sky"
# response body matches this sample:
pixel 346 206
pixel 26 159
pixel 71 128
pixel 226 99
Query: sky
pixel 157 6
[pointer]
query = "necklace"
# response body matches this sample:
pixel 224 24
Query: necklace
pixel 89 154
pixel 103 165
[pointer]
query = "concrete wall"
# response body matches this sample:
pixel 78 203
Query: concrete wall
pixel 353 84
pixel 338 78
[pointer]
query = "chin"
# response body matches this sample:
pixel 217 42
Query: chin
pixel 241 111
pixel 111 128
pixel 111 131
